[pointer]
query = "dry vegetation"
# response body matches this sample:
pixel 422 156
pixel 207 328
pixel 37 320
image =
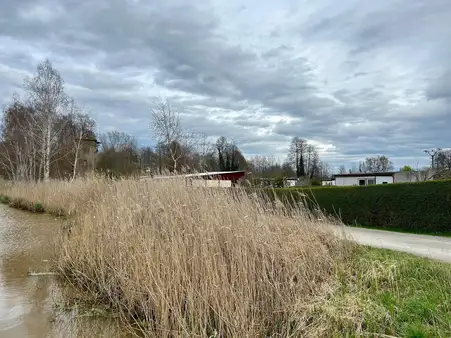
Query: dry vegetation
pixel 175 261
pixel 57 197
pixel 190 261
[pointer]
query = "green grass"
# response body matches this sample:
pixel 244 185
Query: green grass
pixel 385 293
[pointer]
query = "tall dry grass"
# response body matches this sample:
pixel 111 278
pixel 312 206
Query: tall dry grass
pixel 55 196
pixel 198 262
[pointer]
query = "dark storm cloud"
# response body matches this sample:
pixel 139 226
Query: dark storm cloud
pixel 365 77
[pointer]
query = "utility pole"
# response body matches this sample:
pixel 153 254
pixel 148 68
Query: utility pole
pixel 432 153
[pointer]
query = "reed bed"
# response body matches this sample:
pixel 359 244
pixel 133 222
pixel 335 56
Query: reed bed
pixel 180 261
pixel 58 197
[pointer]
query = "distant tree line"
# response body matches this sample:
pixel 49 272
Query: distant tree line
pixel 372 164
pixel 45 134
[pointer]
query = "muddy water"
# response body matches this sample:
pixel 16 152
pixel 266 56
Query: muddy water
pixel 28 304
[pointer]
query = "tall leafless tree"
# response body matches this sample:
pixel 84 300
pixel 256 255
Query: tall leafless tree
pixel 78 129
pixel 119 155
pixel 18 156
pixel 376 164
pixel 174 141
pixel 342 170
pixel 49 100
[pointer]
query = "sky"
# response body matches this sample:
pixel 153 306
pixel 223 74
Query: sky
pixel 356 78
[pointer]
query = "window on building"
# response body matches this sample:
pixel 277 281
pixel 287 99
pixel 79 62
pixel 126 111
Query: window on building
pixel 371 181
pixel 362 182
pixel 384 182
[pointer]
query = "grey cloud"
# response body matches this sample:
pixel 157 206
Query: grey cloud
pixel 276 52
pixel 366 25
pixel 441 88
pixel 211 65
pixel 229 84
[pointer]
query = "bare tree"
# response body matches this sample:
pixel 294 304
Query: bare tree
pixel 325 170
pixel 17 147
pixel 50 101
pixel 79 128
pixel 166 127
pixel 43 133
pixel 376 164
pixel 421 175
pixel 342 170
pixel 119 155
pixel 442 160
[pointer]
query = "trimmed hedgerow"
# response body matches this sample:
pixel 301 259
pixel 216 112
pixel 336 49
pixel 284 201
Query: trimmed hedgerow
pixel 418 207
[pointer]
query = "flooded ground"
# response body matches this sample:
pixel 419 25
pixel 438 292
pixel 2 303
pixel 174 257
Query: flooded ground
pixel 27 303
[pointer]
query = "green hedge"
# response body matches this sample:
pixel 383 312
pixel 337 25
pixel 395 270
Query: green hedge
pixel 418 207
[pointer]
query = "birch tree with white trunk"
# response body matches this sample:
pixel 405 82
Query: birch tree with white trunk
pixel 49 100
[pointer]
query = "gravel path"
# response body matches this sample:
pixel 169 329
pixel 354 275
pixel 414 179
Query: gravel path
pixel 434 247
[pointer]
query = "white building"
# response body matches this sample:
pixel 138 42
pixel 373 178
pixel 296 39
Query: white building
pixel 380 178
pixel 364 179
pixel 328 182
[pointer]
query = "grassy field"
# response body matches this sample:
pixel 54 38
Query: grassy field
pixel 382 293
pixel 175 261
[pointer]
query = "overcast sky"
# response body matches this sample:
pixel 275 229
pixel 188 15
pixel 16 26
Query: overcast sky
pixel 355 77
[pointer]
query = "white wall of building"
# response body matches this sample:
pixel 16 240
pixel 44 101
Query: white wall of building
pixel 344 181
pixel 383 179
pixel 211 183
pixel 405 177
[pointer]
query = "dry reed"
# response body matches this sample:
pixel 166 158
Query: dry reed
pixel 185 262
pixel 57 197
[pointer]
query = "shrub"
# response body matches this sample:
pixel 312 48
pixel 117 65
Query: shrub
pixel 280 182
pixel 37 207
pixel 4 199
pixel 419 207
pixel 315 182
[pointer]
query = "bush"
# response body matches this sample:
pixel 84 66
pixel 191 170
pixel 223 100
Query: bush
pixel 4 199
pixel 315 182
pixel 419 207
pixel 280 182
pixel 37 207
